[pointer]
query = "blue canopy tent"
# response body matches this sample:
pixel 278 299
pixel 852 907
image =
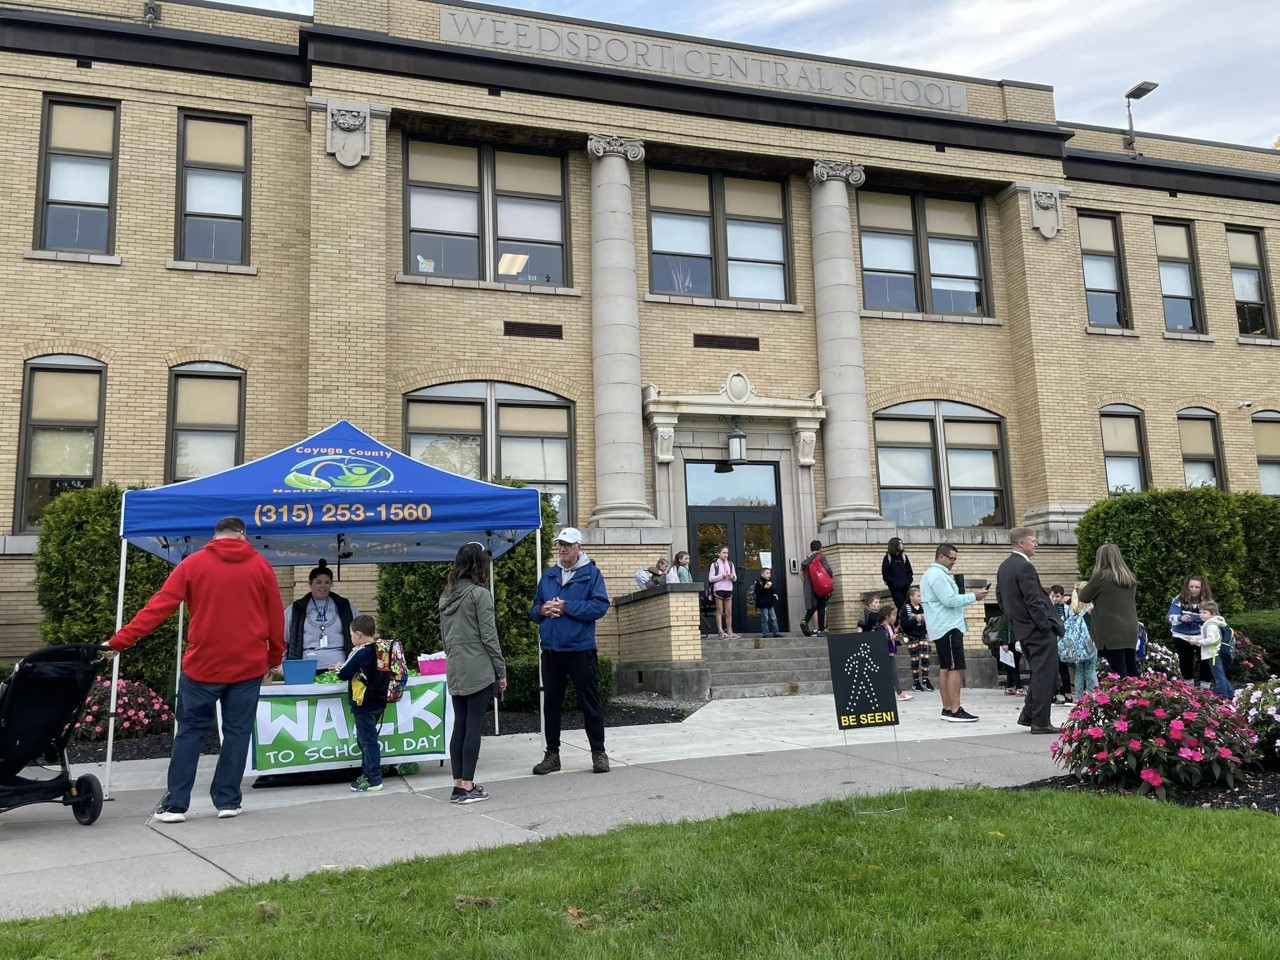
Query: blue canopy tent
pixel 339 493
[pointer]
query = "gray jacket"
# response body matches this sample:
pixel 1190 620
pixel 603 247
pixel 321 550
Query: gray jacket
pixel 470 640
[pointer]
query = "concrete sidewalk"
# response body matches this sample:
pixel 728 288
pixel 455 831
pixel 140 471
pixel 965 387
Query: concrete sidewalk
pixel 732 755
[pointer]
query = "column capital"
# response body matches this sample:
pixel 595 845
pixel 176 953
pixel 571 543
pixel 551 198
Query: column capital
pixel 852 173
pixel 600 145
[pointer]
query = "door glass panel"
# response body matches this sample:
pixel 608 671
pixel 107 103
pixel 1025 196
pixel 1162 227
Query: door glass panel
pixel 749 485
pixel 757 538
pixel 711 537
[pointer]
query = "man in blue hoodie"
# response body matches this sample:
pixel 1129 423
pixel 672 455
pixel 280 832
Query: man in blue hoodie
pixel 571 597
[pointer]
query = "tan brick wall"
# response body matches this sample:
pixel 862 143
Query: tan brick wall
pixel 19 611
pixel 658 628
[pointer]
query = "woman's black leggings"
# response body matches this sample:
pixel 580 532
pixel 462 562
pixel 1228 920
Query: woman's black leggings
pixel 820 608
pixel 468 720
pixel 1122 662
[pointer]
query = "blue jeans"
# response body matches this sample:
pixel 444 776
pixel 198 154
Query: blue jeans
pixel 196 703
pixel 1221 685
pixel 768 620
pixel 367 724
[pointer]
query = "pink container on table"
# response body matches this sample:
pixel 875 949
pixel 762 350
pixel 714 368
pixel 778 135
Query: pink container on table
pixel 433 667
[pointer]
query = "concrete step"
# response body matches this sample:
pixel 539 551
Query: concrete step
pixel 738 691
pixel 741 677
pixel 764 653
pixel 785 642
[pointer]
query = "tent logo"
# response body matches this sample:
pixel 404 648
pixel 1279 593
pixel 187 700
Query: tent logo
pixel 339 473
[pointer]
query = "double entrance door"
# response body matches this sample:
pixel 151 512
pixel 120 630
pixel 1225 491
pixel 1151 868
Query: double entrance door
pixel 752 531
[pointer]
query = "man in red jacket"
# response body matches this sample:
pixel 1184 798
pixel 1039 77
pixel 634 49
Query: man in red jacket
pixel 236 635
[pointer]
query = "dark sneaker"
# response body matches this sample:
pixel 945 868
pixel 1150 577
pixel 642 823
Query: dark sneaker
pixel 806 629
pixel 363 785
pixel 169 814
pixel 916 685
pixel 926 684
pixel 474 795
pixel 457 794
pixel 950 717
pixel 550 764
pixel 600 762
pixel 964 716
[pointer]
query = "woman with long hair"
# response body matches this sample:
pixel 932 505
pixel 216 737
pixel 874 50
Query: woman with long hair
pixel 1086 678
pixel 896 572
pixel 474 664
pixel 1184 623
pixel 681 569
pixel 1112 589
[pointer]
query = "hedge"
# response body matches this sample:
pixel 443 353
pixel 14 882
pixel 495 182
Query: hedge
pixel 1260 576
pixel 1263 628
pixel 522 683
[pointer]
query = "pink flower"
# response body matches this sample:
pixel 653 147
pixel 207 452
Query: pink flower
pixel 1122 726
pixel 1101 698
pixel 1175 730
pixel 1210 733
pixel 1160 741
pixel 97 729
pixel 126 724
pixel 1190 717
pixel 1129 704
pixel 1192 742
pixel 1160 712
pixel 1225 754
pixel 1054 748
pixel 1144 703
pixel 1152 778
pixel 1101 755
pixel 1135 746
pixel 1186 753
pixel 1095 732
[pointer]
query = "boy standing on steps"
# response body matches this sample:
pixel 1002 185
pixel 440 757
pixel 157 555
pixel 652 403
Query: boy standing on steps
pixel 367 691
pixel 765 594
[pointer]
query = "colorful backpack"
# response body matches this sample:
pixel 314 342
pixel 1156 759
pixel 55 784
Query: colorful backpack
pixel 819 579
pixel 1075 645
pixel 389 657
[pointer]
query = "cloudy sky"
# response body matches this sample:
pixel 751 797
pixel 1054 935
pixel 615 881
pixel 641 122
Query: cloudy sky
pixel 1215 60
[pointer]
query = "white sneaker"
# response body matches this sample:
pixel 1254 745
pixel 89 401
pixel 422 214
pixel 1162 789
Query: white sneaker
pixel 228 812
pixel 165 815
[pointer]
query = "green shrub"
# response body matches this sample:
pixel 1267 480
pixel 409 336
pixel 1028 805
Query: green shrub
pixel 6 671
pixel 408 595
pixel 1165 536
pixel 1260 575
pixel 77 575
pixel 1263 628
pixel 1259 704
pixel 1250 664
pixel 522 683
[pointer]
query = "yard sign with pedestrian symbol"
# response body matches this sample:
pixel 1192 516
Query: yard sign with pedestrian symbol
pixel 861 680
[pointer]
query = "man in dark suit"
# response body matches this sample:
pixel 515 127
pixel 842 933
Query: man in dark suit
pixel 1032 623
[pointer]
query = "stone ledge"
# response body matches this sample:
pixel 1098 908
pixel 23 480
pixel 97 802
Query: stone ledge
pixel 656 590
pixel 534 288
pixel 1194 337
pixel 200 266
pixel 930 317
pixel 1110 331
pixel 18 545
pixel 917 536
pixel 62 256
pixel 1258 341
pixel 773 305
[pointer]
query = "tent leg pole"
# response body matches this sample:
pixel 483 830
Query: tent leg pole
pixel 497 732
pixel 115 671
pixel 542 695
pixel 177 670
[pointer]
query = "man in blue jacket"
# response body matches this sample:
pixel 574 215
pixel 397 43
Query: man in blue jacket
pixel 571 597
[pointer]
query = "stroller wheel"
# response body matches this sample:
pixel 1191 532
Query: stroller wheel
pixel 88 803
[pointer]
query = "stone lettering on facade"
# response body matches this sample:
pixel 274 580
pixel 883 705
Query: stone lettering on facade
pixel 694 61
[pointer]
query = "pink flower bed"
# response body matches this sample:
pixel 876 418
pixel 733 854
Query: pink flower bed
pixel 139 712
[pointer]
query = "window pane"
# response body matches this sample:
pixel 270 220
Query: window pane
pixel 1178 314
pixel 977 509
pixel 680 191
pixel 956 296
pixel 535 458
pixel 1124 474
pixel 557 494
pixel 528 173
pixel 1200 474
pixel 1097 234
pixel 1243 248
pixel 1247 284
pixel 516 391
pixel 56 395
pixel 62 452
pixel 690 276
pixel 904 467
pixel 207 239
pixel 908 508
pixel 211 141
pixel 972 434
pixel 972 468
pixel 443 163
pixel 951 216
pixel 82 128
pixel 952 409
pixel 953 257
pixel 1175 279
pixel 458 454
pixel 76 228
pixel 1120 435
pixel 893 291
pixel 1100 273
pixel 752 198
pixel 750 485
pixel 529 219
pixel 757 281
pixel 883 251
pixel 41 492
pixel 904 431
pixel 1266 437
pixel 888 211
pixel 1197 438
pixel 445 416
pixel 451 256
pixel 1173 240
pixel 1269 475
pixel 533 419
pixel 198 454
pixel 677 234
pixel 1252 318
pixel 451 211
pixel 79 179
pixel 207 402
pixel 520 262
pixel 755 241
pixel 1104 309
pixel 215 191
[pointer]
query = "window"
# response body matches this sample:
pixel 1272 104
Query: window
pixel 1266 438
pixel 1253 313
pixel 1178 277
pixel 1123 449
pixel 479 429
pixel 717 236
pixel 937 269
pixel 963 486
pixel 478 213
pixel 62 432
pixel 213 189
pixel 1103 277
pixel 1201 455
pixel 206 414
pixel 77 191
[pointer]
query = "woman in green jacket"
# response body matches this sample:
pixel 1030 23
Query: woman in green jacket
pixel 474 663
pixel 1113 592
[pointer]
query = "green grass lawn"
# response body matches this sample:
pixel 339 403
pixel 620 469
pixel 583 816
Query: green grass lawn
pixel 961 875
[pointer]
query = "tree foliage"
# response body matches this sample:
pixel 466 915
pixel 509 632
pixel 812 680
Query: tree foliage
pixel 1260 575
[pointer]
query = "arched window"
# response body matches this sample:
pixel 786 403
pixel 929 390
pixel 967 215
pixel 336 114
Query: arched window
pixel 1266 438
pixel 1201 450
pixel 941 464
pixel 484 429
pixel 62 400
pixel 1123 448
pixel 206 419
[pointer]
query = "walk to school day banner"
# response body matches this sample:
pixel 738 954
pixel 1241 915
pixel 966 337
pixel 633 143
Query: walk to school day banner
pixel 861 680
pixel 308 727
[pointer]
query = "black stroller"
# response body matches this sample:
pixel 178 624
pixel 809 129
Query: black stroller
pixel 39 707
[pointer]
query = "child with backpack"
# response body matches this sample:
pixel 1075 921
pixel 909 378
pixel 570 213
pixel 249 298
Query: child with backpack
pixel 765 593
pixel 887 627
pixel 368 688
pixel 818 587
pixel 870 618
pixel 1076 645
pixel 1213 640
pixel 917 640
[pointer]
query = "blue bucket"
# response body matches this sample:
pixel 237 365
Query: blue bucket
pixel 299 671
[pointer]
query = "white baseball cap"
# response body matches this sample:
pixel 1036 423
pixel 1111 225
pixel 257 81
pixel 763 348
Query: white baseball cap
pixel 569 535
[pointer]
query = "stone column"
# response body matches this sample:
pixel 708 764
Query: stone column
pixel 615 336
pixel 846 443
